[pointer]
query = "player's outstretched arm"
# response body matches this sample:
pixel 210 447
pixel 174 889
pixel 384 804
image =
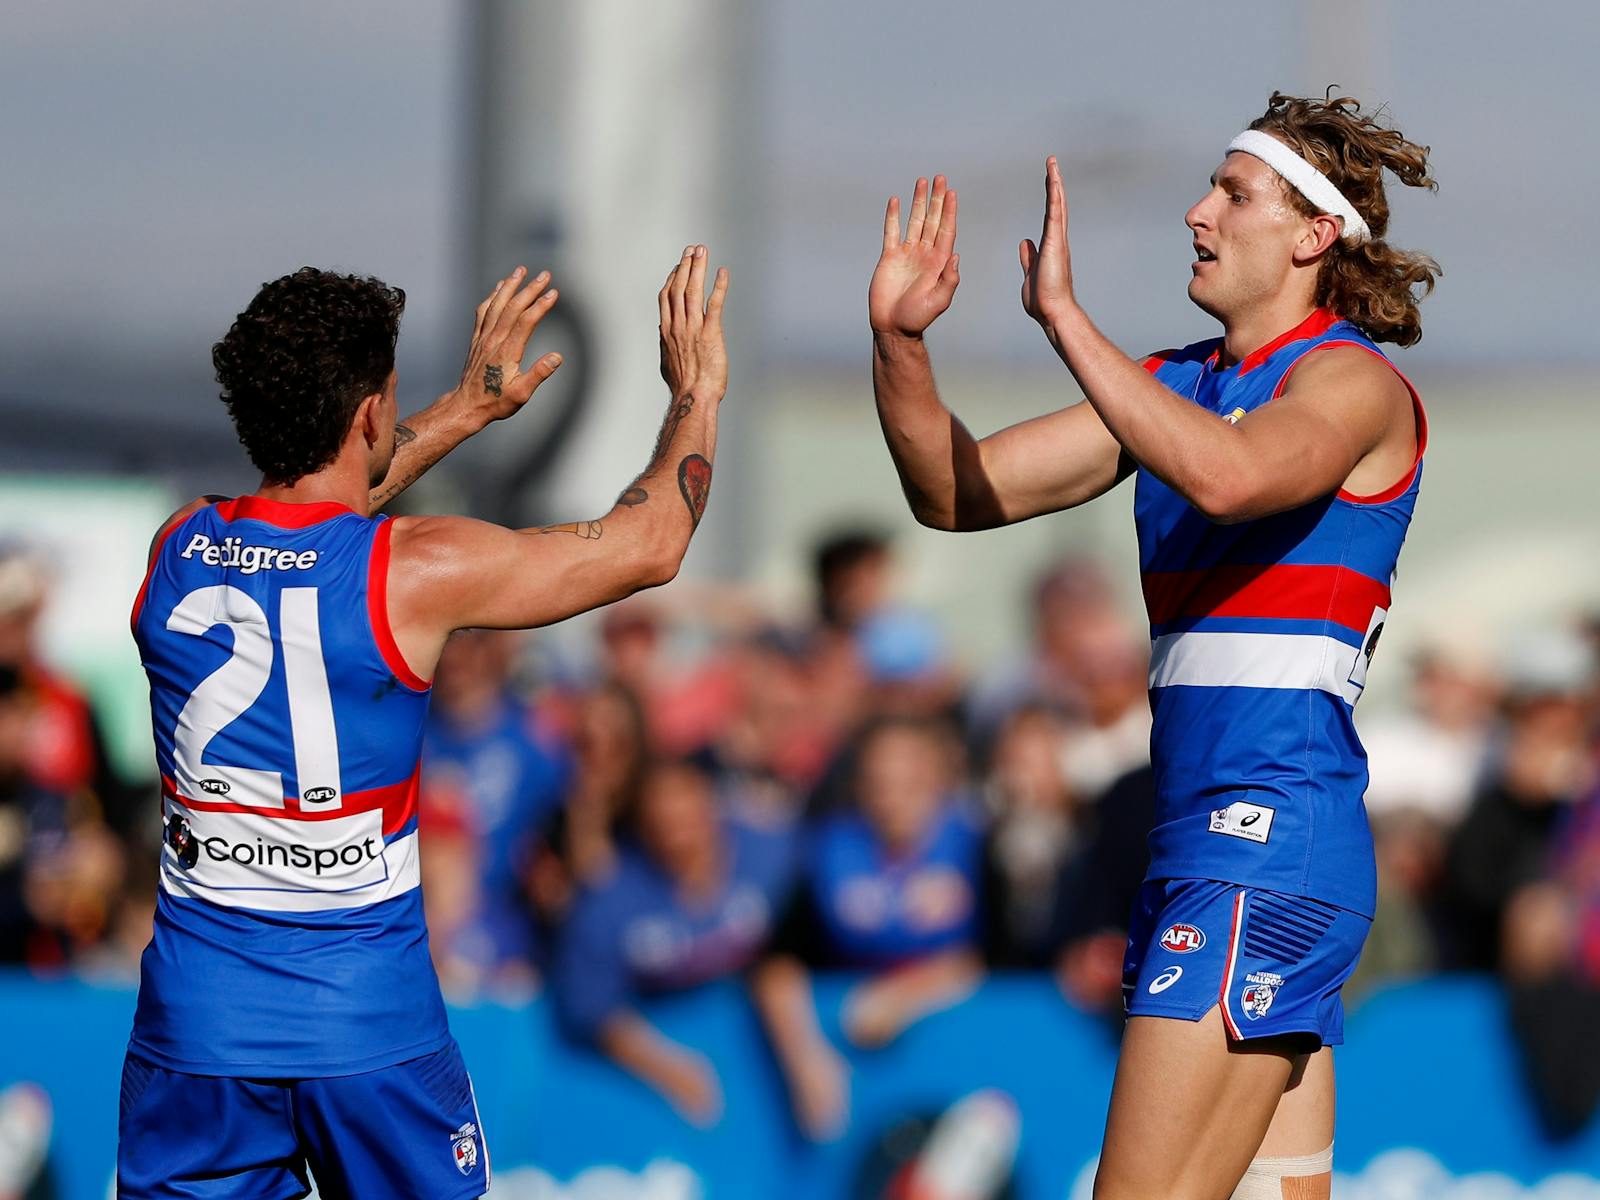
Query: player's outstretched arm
pixel 493 384
pixel 951 479
pixel 450 573
pixel 1344 420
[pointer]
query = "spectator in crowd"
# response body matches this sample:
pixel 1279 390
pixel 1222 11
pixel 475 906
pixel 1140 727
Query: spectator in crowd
pixel 891 887
pixel 686 701
pixel 1543 764
pixel 1035 836
pixel 494 775
pixel 692 900
pixel 66 750
pixel 610 751
pixel 60 868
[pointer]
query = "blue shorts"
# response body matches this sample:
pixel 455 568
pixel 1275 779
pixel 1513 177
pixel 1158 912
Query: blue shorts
pixel 1273 962
pixel 410 1130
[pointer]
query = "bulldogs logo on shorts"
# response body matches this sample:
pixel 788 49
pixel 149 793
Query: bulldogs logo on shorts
pixel 1260 988
pixel 464 1145
pixel 1183 939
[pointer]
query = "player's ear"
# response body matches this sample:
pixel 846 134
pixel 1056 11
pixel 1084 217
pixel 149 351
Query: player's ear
pixel 1319 237
pixel 369 418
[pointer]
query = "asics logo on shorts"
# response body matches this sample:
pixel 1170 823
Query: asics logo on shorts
pixel 1165 980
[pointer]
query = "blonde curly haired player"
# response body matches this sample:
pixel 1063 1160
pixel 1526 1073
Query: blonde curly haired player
pixel 1277 468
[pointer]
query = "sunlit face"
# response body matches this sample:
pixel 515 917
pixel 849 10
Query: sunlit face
pixel 1245 234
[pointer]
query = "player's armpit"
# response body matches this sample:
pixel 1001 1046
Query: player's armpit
pixel 1344 420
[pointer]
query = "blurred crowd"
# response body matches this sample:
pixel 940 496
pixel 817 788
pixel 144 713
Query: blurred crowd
pixel 713 793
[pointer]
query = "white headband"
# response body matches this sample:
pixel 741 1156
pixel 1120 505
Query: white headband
pixel 1305 179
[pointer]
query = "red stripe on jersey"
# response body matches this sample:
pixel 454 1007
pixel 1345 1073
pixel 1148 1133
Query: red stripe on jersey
pixel 378 610
pixel 1318 323
pixel 1282 591
pixel 144 586
pixel 281 514
pixel 1231 964
pixel 398 802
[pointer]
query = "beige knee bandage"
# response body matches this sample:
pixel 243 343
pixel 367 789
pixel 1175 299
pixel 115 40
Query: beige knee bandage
pixel 1303 1177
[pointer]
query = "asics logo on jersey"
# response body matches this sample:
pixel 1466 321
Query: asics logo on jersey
pixel 297 855
pixel 232 552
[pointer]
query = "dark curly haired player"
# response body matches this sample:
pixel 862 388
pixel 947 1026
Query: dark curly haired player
pixel 1277 469
pixel 289 1020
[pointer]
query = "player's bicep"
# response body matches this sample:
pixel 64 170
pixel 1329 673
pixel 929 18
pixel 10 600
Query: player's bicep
pixel 1055 461
pixel 471 574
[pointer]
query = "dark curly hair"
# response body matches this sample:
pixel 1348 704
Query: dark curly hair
pixel 298 362
pixel 1376 286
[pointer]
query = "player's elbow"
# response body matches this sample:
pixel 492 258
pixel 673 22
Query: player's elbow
pixel 659 565
pixel 1224 500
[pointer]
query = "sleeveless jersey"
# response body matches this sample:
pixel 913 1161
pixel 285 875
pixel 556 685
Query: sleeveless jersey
pixel 289 938
pixel 1261 635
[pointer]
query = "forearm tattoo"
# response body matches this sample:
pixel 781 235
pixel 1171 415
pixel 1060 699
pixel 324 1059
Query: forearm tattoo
pixel 633 497
pixel 669 429
pixel 404 435
pixel 493 379
pixel 694 481
pixel 589 531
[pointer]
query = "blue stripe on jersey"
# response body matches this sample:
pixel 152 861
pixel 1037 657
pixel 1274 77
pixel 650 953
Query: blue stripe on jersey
pixel 1257 625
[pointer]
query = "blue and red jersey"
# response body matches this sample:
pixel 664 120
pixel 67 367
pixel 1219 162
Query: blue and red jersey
pixel 289 937
pixel 1261 635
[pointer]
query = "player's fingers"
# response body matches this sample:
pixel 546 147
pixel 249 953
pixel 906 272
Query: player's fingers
pixel 664 301
pixel 522 329
pixel 502 296
pixel 528 381
pixel 523 297
pixel 891 224
pixel 1026 252
pixel 919 211
pixel 949 279
pixel 930 226
pixel 946 239
pixel 719 293
pixel 1055 201
pixel 694 296
pixel 680 283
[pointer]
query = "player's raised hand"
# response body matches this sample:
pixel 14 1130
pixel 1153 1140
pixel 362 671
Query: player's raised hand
pixel 1047 267
pixel 493 383
pixel 917 274
pixel 694 353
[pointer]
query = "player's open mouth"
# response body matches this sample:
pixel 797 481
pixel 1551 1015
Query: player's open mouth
pixel 1203 255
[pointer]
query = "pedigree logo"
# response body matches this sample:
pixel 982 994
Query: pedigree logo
pixel 247 560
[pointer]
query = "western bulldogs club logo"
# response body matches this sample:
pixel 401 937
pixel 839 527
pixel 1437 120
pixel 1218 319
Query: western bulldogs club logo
pixel 464 1145
pixel 1183 939
pixel 1260 989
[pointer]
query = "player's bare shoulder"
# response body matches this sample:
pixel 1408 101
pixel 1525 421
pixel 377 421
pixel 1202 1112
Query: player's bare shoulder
pixel 1352 384
pixel 178 518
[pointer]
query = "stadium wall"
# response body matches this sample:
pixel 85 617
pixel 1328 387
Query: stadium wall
pixel 1431 1104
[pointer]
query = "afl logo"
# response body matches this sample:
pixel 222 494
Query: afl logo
pixel 320 795
pixel 216 787
pixel 1183 939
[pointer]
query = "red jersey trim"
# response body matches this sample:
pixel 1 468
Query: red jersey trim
pixel 378 610
pixel 398 801
pixel 1403 484
pixel 280 513
pixel 1318 323
pixel 1278 591
pixel 155 557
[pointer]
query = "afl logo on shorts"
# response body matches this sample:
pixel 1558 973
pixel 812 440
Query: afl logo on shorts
pixel 464 1145
pixel 1183 939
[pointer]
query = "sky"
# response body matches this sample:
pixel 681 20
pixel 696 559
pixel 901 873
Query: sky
pixel 164 158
